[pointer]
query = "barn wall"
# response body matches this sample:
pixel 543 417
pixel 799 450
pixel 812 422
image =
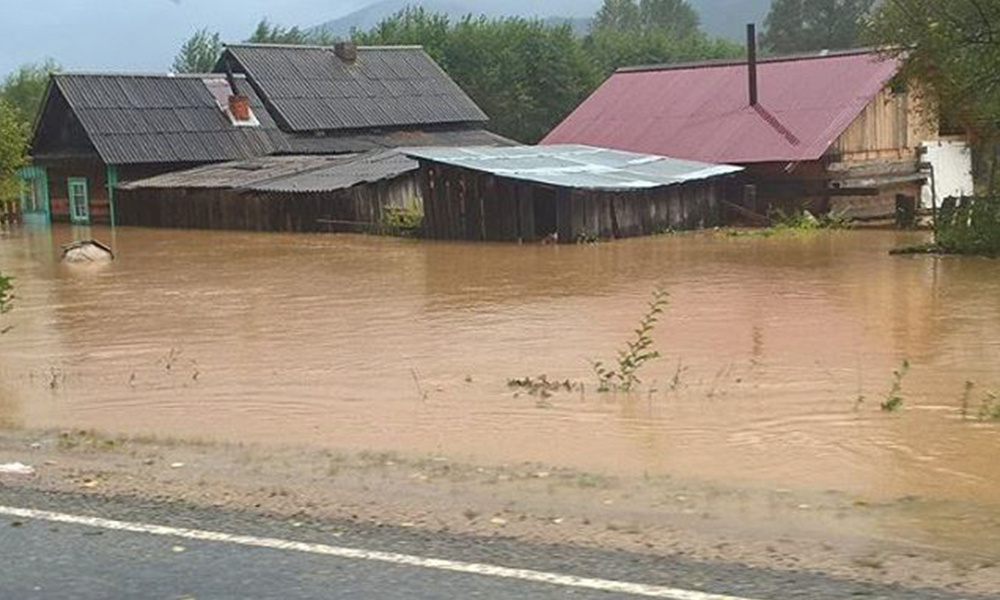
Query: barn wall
pixel 463 204
pixel 359 208
pixel 892 127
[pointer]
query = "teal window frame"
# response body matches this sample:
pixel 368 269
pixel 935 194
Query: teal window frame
pixel 29 196
pixel 35 184
pixel 78 213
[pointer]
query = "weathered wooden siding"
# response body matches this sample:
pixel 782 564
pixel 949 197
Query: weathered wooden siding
pixel 463 204
pixel 97 188
pixel 355 209
pixel 891 127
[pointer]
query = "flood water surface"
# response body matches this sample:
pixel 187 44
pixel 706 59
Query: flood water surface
pixel 776 352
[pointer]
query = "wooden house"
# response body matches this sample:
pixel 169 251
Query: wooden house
pixel 96 130
pixel 564 193
pixel 823 132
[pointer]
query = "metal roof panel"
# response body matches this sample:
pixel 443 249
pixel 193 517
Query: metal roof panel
pixel 702 112
pixel 575 166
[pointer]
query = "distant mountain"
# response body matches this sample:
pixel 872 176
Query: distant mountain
pixel 726 18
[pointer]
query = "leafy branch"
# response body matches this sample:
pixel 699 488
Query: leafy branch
pixel 639 351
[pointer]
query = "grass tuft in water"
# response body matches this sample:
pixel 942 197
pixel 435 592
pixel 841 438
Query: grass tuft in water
pixel 6 298
pixel 990 409
pixel 542 386
pixel 894 400
pixel 795 223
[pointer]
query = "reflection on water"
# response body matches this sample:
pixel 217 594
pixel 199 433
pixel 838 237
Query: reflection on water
pixel 776 352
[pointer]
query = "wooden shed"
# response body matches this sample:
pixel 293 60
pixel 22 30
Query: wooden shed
pixel 276 193
pixel 564 193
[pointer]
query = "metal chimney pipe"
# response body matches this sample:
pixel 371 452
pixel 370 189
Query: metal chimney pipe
pixel 752 61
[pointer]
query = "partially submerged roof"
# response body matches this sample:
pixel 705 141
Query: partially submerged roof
pixel 310 88
pixel 702 112
pixel 378 140
pixel 297 174
pixel 575 166
pixel 133 119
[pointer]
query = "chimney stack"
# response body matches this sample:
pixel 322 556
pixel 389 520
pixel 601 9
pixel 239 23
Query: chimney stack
pixel 752 62
pixel 346 51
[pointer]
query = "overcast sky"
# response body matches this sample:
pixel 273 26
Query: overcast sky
pixel 139 35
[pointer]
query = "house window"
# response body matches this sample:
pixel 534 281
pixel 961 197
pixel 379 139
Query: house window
pixel 29 196
pixel 79 200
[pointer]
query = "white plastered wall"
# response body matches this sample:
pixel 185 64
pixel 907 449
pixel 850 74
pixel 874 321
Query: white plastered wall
pixel 952 162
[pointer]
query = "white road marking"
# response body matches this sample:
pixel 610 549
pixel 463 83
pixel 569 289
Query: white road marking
pixel 603 585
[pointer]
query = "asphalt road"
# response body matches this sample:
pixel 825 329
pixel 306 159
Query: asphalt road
pixel 43 559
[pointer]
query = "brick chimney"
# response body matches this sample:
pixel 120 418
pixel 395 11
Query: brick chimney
pixel 239 107
pixel 346 51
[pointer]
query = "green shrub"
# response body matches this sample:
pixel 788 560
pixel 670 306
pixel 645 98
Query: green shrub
pixel 403 221
pixel 970 226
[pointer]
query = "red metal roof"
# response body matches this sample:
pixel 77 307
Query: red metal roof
pixel 703 112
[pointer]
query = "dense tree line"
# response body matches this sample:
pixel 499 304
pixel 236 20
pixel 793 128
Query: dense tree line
pixel 809 25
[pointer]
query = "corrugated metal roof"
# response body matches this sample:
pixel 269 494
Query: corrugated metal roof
pixel 702 112
pixel 366 168
pixel 133 119
pixel 296 174
pixel 364 142
pixel 575 166
pixel 311 89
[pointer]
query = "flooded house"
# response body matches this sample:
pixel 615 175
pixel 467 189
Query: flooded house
pixel 272 114
pixel 824 132
pixel 299 193
pixel 564 193
pixel 96 130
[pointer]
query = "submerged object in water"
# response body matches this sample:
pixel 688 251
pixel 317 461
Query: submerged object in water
pixel 87 251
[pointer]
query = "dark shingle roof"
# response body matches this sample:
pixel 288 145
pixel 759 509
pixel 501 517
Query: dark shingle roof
pixel 310 88
pixel 133 119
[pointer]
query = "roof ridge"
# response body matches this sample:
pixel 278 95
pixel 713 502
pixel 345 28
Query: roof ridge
pixel 321 47
pixel 146 75
pixel 736 62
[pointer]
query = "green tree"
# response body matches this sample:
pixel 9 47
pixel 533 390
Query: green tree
pixel 200 53
pixel 810 25
pixel 626 15
pixel 269 33
pixel 13 146
pixel 24 89
pixel 619 15
pixel 675 15
pixel 611 50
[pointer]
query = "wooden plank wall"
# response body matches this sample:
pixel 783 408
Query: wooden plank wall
pixel 891 127
pixel 356 209
pixel 462 204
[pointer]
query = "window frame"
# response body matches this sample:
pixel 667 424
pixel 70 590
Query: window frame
pixel 83 217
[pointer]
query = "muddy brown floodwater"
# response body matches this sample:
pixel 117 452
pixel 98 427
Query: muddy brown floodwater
pixel 777 353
